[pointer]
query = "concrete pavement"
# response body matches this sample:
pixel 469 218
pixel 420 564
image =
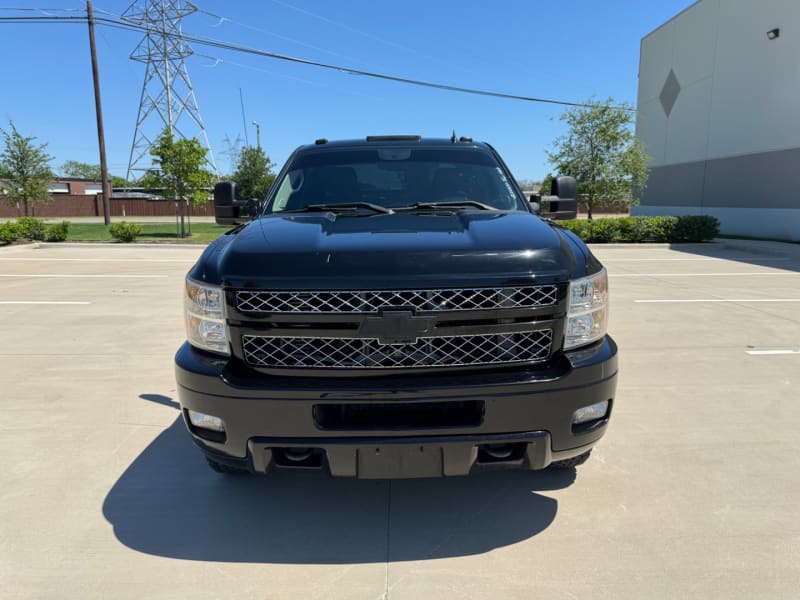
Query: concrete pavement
pixel 690 495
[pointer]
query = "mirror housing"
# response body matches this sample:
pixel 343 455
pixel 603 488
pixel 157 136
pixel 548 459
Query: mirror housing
pixel 227 209
pixel 562 202
pixel 536 203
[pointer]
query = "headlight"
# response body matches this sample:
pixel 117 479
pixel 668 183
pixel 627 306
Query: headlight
pixel 587 316
pixel 205 317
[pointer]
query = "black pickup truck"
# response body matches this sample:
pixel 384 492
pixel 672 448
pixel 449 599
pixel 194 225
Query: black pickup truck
pixel 395 308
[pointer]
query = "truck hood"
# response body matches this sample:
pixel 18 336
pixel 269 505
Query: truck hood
pixel 401 250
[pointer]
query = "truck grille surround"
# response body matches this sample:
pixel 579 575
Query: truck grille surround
pixel 438 328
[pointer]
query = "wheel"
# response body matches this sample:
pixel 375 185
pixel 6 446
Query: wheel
pixel 224 469
pixel 570 463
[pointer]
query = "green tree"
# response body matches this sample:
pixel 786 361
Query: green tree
pixel 82 170
pixel 26 166
pixel 602 153
pixel 254 174
pixel 179 169
pixel 545 186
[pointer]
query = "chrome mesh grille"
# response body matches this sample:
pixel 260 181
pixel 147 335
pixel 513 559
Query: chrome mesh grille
pixel 372 301
pixel 367 353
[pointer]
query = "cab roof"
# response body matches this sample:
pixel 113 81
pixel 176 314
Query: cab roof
pixel 394 140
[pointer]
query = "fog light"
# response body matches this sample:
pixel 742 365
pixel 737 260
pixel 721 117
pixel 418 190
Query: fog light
pixel 202 421
pixel 590 413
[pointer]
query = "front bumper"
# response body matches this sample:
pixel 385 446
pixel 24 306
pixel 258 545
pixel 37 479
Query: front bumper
pixel 524 416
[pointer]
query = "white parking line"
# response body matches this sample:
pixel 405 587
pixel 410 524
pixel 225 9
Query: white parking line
pixel 703 300
pixel 78 276
pixel 751 273
pixel 773 352
pixel 41 302
pixel 698 259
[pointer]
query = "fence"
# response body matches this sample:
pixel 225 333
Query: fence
pixel 68 205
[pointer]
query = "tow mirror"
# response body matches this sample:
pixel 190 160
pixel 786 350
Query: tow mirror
pixel 227 209
pixel 536 203
pixel 562 202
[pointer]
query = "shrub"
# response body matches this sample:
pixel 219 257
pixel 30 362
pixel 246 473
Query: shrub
pixel 578 227
pixel 627 231
pixel 124 231
pixel 603 230
pixel 8 233
pixel 30 228
pixel 57 232
pixel 696 228
pixel 658 229
pixel 645 229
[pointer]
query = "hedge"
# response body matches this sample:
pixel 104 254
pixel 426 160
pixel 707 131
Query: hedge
pixel 690 228
pixel 31 228
pixel 8 232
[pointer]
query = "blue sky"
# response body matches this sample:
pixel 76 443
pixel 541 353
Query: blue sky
pixel 566 49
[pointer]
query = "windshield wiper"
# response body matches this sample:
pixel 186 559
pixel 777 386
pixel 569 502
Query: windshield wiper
pixel 344 206
pixel 450 204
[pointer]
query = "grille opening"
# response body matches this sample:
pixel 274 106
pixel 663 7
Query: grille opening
pixel 393 415
pixel 297 458
pixel 370 301
pixel 501 453
pixel 368 353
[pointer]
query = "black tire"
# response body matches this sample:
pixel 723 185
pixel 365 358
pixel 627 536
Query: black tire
pixel 570 463
pixel 224 469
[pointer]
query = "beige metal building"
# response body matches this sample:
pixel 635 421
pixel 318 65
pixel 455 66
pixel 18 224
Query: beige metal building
pixel 719 115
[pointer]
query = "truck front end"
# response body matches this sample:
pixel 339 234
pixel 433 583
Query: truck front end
pixel 383 331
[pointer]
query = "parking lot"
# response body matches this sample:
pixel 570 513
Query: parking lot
pixel 692 494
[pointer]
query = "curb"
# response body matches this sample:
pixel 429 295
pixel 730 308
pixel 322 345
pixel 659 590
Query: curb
pixel 654 245
pixel 94 244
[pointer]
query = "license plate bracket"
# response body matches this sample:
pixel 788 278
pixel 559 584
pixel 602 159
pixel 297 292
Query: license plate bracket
pixel 400 461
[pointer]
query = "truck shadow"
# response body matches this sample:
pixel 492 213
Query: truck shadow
pixel 169 503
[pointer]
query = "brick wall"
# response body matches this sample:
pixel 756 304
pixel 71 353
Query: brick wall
pixel 72 205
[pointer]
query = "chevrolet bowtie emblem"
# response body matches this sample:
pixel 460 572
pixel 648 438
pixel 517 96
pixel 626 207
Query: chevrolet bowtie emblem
pixel 395 327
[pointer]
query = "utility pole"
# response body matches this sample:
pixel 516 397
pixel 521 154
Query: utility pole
pixel 258 135
pixel 101 138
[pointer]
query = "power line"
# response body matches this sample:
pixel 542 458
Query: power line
pixel 351 71
pixel 42 19
pixel 116 24
pixel 222 20
pixel 46 11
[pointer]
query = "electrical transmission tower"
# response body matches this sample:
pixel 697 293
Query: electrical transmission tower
pixel 168 100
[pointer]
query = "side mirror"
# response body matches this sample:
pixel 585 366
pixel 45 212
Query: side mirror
pixel 562 203
pixel 253 207
pixel 228 210
pixel 536 203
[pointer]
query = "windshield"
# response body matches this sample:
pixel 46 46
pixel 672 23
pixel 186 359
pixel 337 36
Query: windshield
pixel 396 177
